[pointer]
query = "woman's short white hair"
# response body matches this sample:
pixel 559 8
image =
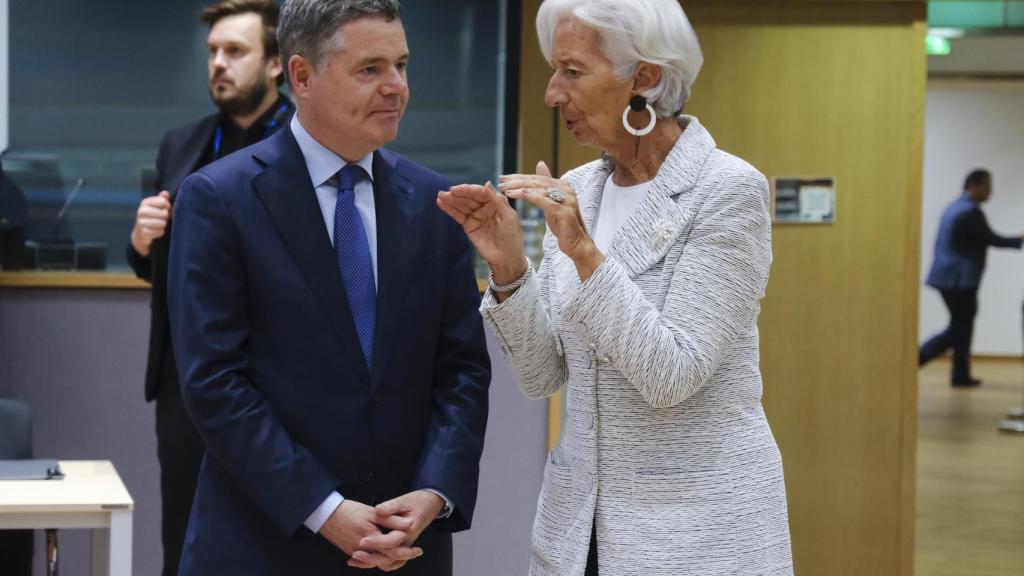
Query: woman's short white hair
pixel 635 31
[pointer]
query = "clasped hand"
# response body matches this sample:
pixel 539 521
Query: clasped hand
pixel 383 536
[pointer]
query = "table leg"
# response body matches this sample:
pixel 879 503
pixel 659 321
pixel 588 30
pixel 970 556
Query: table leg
pixel 52 567
pixel 112 549
pixel 121 543
pixel 100 551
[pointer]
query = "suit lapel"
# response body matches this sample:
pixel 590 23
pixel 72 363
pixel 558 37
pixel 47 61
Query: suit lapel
pixel 181 166
pixel 659 220
pixel 285 189
pixel 396 233
pixel 590 202
pixel 191 150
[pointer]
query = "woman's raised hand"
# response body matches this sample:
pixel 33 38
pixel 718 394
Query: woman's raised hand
pixel 491 224
pixel 561 207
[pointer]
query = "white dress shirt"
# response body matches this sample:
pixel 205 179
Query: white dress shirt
pixel 323 166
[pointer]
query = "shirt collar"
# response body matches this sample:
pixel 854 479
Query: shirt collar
pixel 321 163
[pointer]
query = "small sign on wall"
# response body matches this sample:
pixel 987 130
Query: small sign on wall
pixel 803 200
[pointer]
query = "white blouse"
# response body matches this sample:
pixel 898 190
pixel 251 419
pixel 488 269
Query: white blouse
pixel 617 204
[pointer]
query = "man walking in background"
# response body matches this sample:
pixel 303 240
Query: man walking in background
pixel 244 75
pixel 960 246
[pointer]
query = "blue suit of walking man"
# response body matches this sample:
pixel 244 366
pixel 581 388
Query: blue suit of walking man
pixel 324 315
pixel 960 246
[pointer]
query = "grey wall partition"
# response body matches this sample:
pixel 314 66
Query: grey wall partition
pixel 78 357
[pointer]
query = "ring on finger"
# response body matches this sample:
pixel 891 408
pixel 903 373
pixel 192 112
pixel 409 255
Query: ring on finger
pixel 555 195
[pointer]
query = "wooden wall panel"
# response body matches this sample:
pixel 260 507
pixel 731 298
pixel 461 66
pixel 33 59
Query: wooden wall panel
pixel 537 119
pixel 821 90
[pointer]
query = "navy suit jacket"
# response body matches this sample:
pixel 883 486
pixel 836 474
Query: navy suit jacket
pixel 271 369
pixel 960 246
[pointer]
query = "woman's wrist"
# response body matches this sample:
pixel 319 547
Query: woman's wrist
pixel 587 259
pixel 508 272
pixel 504 290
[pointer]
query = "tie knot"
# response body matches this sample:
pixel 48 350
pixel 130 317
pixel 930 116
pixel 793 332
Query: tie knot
pixel 349 176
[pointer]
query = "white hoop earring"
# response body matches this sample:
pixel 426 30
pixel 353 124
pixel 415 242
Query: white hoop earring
pixel 643 131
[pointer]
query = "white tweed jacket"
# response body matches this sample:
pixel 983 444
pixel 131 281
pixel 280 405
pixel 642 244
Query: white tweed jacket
pixel 666 449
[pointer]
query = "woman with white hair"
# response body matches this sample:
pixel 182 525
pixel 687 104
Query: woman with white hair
pixel 645 308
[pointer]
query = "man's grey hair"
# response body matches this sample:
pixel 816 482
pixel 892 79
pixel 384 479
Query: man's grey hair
pixel 635 31
pixel 309 28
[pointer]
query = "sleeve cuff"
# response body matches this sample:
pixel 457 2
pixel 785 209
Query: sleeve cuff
pixel 319 516
pixel 489 302
pixel 579 301
pixel 449 507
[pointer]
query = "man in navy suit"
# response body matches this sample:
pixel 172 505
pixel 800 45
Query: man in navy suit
pixel 324 316
pixel 960 247
pixel 244 74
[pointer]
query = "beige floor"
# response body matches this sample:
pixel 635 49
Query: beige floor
pixel 970 476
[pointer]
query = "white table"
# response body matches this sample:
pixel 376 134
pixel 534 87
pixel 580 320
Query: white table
pixel 91 495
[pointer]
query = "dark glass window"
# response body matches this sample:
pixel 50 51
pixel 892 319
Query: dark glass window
pixel 94 85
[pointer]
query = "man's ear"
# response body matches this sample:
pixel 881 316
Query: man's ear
pixel 300 75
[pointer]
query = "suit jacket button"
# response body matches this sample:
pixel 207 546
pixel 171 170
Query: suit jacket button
pixel 368 477
pixel 588 482
pixel 377 398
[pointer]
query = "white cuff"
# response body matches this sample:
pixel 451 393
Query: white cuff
pixel 319 516
pixel 447 501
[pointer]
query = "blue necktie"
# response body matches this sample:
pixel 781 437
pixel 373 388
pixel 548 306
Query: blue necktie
pixel 353 253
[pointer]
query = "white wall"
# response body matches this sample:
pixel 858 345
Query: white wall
pixel 971 125
pixel 3 75
pixel 981 55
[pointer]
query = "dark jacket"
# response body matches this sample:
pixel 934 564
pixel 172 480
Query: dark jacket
pixel 181 150
pixel 961 244
pixel 179 154
pixel 13 207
